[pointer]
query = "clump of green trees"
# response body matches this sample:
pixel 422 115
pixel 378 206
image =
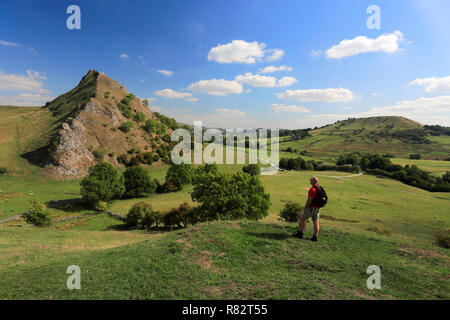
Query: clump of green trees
pixel 218 196
pixel 223 196
pixel 375 164
pixel 103 183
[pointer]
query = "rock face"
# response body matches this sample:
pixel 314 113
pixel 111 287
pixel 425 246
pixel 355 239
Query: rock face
pixel 92 127
pixel 71 157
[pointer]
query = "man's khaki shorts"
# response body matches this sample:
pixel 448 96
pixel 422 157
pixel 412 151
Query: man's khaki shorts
pixel 311 212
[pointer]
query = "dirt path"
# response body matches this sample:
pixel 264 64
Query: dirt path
pixel 17 216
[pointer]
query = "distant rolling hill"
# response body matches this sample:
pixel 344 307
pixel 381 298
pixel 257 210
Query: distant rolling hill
pixel 390 134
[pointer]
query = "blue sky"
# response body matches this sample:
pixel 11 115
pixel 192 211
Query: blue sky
pixel 206 59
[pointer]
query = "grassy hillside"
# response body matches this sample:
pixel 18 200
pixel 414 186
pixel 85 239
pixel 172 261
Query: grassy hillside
pixel 233 260
pixel 364 204
pixel 368 220
pixel 395 135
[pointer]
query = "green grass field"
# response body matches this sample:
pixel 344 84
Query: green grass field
pixel 232 260
pixel 365 223
pixel 368 220
pixel 435 167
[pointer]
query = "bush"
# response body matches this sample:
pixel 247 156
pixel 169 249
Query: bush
pixel 142 216
pixel 126 127
pixel 234 196
pixel 138 183
pixel 3 170
pixel 139 117
pixel 290 211
pixel 123 159
pixel 179 174
pixel 207 168
pixel 134 162
pixel 99 154
pixel 103 183
pixel 106 95
pixel 182 216
pixel 100 206
pixel 148 156
pixel 151 126
pixel 37 214
pixel 167 187
pixel 252 169
pixel 166 138
pixel 442 238
pixel 127 113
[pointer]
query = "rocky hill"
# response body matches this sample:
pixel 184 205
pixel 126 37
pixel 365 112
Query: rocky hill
pixel 99 120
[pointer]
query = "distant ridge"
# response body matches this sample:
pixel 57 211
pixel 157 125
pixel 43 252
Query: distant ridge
pixel 384 134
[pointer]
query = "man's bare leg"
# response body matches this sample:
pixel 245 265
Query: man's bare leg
pixel 316 228
pixel 302 224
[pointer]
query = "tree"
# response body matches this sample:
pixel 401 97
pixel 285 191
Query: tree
pixel 138 183
pixel 146 103
pixel 103 183
pixel 179 174
pixel 234 196
pixel 252 169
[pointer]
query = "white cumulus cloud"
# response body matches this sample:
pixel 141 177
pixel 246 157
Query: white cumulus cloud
pixel 165 72
pixel 31 82
pixel 318 95
pixel 257 80
pixel 270 69
pixel 388 42
pixel 422 105
pixel 275 54
pixel 124 56
pixel 172 94
pixel 286 81
pixel 241 51
pixel 9 44
pixel 433 84
pixel 217 87
pixel 278 107
pixel 25 99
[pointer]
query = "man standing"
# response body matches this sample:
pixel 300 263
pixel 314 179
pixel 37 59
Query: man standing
pixel 311 210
